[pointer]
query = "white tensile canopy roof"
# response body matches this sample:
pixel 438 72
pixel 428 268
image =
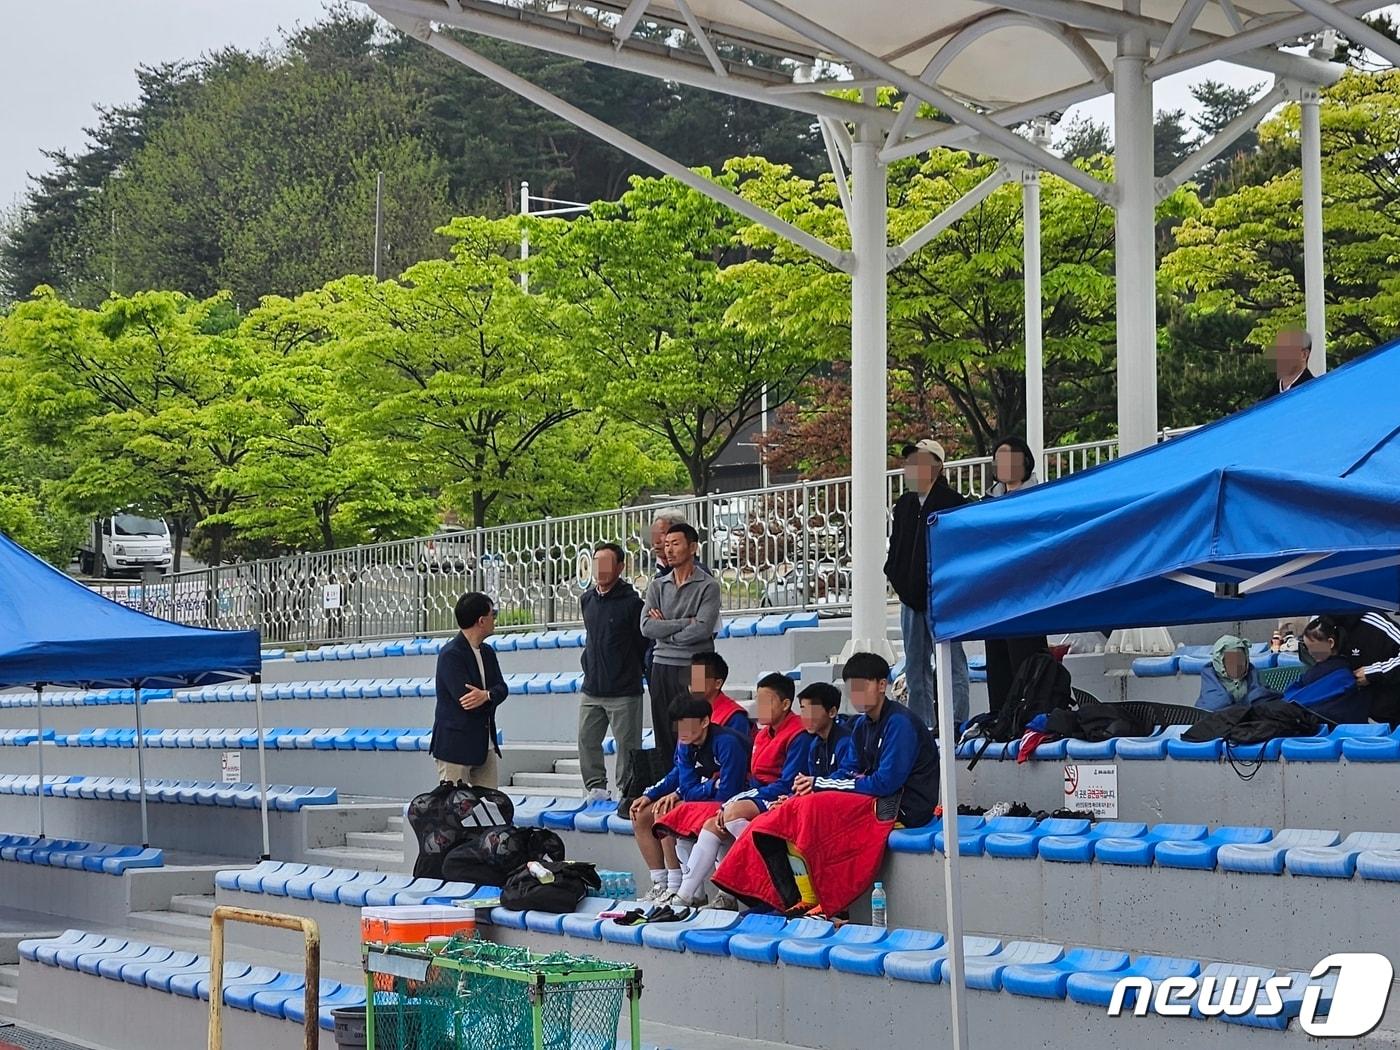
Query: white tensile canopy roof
pixel 988 69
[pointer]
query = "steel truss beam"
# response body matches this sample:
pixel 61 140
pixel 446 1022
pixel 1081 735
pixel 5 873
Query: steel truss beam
pixel 1251 48
pixel 420 29
pixel 1221 140
pixel 962 114
pixel 594 45
pixel 1351 28
pixel 949 215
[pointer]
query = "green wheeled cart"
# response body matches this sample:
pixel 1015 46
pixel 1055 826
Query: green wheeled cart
pixel 476 995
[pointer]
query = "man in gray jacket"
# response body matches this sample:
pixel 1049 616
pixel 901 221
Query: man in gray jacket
pixel 681 616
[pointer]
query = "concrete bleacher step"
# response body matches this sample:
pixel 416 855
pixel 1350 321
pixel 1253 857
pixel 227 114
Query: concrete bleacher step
pixel 193 904
pixel 564 782
pixel 571 766
pixel 389 841
pixel 358 857
pixel 546 792
pixel 9 986
pixel 168 924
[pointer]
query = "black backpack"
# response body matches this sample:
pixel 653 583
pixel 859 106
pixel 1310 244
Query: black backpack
pixel 572 882
pixel 441 817
pixel 1041 685
pixel 488 856
pixel 644 768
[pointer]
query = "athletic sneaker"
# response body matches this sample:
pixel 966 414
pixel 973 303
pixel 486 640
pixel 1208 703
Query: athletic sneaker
pixel 723 902
pixel 656 894
pixel 599 795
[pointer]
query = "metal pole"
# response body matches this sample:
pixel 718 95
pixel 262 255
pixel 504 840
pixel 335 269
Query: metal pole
pixel 524 235
pixel 868 395
pixel 1135 247
pixel 762 459
pixel 262 763
pixel 378 222
pixel 1035 363
pixel 1314 290
pixel 952 887
pixel 141 771
pixel 39 706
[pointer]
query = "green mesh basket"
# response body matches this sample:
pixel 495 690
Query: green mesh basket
pixel 482 996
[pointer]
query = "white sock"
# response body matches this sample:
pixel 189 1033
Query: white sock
pixel 702 864
pixel 658 876
pixel 736 827
pixel 683 848
pixel 673 879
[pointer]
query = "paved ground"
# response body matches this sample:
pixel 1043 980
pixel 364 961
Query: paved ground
pixel 12 1037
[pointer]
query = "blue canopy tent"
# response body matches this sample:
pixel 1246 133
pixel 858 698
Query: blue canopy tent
pixel 58 632
pixel 1292 506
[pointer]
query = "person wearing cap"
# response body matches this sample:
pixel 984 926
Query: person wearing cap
pixel 926 492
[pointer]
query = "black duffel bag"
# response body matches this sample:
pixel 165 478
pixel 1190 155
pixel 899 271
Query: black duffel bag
pixel 488 856
pixel 572 882
pixel 441 817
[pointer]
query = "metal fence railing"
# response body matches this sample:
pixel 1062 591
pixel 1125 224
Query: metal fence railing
pixel 784 548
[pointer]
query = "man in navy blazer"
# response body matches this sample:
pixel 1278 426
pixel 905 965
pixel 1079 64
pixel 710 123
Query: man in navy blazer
pixel 470 687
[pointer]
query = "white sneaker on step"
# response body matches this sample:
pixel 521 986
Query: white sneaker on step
pixel 599 795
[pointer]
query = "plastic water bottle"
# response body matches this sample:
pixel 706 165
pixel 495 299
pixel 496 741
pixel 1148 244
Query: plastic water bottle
pixel 878 906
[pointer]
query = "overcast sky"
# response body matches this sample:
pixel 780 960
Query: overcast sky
pixel 58 62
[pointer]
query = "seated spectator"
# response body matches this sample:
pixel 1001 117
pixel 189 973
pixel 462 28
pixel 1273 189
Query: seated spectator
pixel 821 849
pixel 777 750
pixel 1373 651
pixel 1329 687
pixel 712 764
pixel 708 673
pixel 1230 679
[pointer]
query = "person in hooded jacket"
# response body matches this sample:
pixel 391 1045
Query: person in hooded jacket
pixel 1231 679
pixel 927 492
pixel 1013 464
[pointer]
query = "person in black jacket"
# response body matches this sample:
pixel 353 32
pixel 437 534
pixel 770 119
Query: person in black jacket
pixel 613 655
pixel 1372 651
pixel 906 567
pixel 1290 352
pixel 470 687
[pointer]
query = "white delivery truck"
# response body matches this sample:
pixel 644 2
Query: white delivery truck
pixel 126 543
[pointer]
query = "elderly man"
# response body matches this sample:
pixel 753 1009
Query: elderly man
pixel 660 525
pixel 1290 352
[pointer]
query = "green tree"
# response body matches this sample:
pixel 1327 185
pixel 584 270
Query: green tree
pixel 1238 265
pixel 641 287
pixel 458 368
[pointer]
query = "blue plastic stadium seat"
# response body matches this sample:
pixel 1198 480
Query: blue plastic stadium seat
pixel 531 814
pixel 996 750
pixel 1023 844
pixel 1201 853
pixel 743 626
pixel 1372 749
pixel 985 973
pixel 592 819
pixel 1221 971
pixel 1329 748
pixel 763 947
pixel 1096 989
pixel 1155 666
pixel 816 953
pixel 924 965
pixel 1048 980
pixel 1140 850
pixel 1079 849
pixel 1091 750
pixel 1195 750
pixel 1268 857
pixel 1339 861
pixel 715 941
pixel 1380 864
pixel 771 625
pixel 1137 748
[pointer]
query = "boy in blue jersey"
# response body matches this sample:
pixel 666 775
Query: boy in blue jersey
pixel 894 752
pixel 711 765
pixel 822 848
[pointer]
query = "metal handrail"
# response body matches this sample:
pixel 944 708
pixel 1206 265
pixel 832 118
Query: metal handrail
pixel 312 934
pixel 784 548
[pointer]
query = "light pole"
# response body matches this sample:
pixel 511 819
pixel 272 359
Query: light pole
pixel 557 207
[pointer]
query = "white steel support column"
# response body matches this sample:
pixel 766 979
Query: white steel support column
pixel 869 442
pixel 524 235
pixel 1135 246
pixel 952 884
pixel 1035 351
pixel 1314 288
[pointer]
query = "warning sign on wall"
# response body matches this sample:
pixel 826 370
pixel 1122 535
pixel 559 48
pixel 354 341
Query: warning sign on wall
pixel 231 767
pixel 1092 789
